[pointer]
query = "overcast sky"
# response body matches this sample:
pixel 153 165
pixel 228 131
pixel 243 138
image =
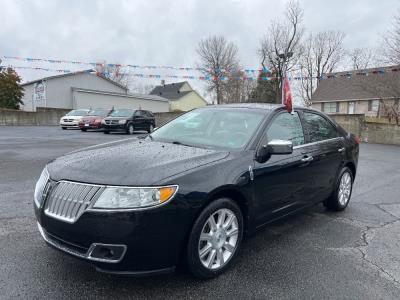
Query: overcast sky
pixel 161 32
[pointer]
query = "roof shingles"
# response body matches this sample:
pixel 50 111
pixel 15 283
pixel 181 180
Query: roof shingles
pixel 358 87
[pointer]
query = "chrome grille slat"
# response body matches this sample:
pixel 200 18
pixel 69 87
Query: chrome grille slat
pixel 73 202
pixel 67 201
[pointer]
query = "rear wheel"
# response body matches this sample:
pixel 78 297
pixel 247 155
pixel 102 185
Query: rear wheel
pixel 106 132
pixel 83 129
pixel 340 197
pixel 64 128
pixel 215 239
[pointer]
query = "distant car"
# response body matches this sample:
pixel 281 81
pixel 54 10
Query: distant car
pixel 93 119
pixel 71 119
pixel 129 120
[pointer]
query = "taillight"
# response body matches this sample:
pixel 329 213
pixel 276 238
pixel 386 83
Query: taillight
pixel 357 139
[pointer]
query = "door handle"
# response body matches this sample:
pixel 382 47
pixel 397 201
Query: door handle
pixel 340 150
pixel 307 159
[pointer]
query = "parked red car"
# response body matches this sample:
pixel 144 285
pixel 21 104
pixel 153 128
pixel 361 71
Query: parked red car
pixel 93 119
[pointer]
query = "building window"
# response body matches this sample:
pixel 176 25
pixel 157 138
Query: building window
pixel 373 105
pixel 330 107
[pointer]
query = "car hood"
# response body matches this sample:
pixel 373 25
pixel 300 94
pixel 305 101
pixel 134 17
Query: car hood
pixel 116 118
pixel 130 162
pixel 91 118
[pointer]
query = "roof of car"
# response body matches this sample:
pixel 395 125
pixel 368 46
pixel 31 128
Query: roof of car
pixel 263 106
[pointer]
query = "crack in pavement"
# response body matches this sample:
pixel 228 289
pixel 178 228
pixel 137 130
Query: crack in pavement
pixel 368 234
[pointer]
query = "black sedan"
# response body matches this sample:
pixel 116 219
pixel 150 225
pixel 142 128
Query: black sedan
pixel 129 120
pixel 193 188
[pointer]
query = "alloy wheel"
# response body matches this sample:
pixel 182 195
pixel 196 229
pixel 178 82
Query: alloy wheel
pixel 344 189
pixel 218 239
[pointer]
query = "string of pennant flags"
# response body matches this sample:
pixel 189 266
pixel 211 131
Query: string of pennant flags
pixel 262 75
pixel 95 64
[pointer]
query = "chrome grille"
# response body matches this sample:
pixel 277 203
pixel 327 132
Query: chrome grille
pixel 68 200
pixel 109 122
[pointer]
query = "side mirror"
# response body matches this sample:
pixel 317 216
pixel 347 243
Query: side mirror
pixel 274 147
pixel 155 128
pixel 280 147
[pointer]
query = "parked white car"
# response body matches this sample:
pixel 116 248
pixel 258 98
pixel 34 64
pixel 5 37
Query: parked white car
pixel 71 119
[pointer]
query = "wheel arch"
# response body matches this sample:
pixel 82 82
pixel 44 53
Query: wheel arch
pixel 233 193
pixel 351 165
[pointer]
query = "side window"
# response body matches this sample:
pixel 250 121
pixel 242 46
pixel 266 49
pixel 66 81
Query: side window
pixel 319 128
pixel 286 127
pixel 138 113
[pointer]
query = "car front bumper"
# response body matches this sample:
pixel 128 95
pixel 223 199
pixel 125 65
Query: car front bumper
pixel 69 124
pixel 114 127
pixel 90 126
pixel 145 242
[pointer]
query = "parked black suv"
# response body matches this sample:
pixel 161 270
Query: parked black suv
pixel 129 120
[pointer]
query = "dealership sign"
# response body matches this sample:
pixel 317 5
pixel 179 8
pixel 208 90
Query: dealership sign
pixel 39 93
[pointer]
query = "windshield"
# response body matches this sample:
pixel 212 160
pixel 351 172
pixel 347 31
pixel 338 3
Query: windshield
pixel 220 128
pixel 98 112
pixel 77 113
pixel 122 113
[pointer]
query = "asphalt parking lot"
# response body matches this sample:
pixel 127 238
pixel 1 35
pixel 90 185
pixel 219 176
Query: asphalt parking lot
pixel 316 254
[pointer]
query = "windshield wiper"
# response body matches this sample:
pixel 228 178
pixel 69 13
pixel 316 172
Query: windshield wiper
pixel 180 143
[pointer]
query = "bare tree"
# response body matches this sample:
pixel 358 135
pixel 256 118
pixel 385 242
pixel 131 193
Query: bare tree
pixel 218 59
pixel 321 54
pixel 238 88
pixel 283 38
pixel 361 58
pixel 391 49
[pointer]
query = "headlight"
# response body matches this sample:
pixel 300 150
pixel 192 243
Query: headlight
pixel 40 186
pixel 121 121
pixel 124 197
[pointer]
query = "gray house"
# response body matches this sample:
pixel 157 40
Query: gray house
pixel 372 92
pixel 85 90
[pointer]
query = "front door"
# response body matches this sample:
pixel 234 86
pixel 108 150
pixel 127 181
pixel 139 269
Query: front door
pixel 281 183
pixel 138 120
pixel 351 108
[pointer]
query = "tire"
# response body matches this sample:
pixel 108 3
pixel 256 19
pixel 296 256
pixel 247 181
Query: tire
pixel 341 196
pixel 83 129
pixel 130 129
pixel 106 132
pixel 215 245
pixel 64 128
pixel 151 128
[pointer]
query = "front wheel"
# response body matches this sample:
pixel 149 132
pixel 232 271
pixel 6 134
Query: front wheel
pixel 64 128
pixel 83 129
pixel 215 239
pixel 340 197
pixel 130 129
pixel 151 128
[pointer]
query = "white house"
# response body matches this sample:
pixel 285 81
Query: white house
pixel 86 90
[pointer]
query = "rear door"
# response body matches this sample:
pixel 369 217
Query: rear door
pixel 281 183
pixel 326 147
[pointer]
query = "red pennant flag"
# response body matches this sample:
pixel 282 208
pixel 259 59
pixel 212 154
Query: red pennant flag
pixel 287 96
